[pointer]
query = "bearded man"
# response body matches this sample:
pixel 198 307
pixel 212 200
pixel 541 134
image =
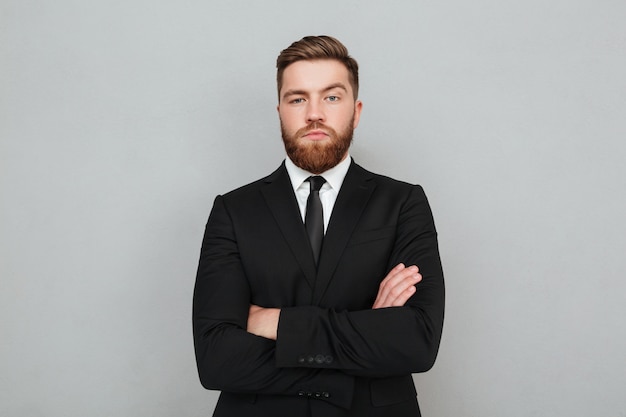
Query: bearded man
pixel 319 289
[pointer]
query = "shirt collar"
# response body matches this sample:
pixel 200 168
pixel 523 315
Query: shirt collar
pixel 334 177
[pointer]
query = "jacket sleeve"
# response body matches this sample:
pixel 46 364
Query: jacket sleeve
pixel 382 342
pixel 228 357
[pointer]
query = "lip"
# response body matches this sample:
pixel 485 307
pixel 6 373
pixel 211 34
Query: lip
pixel 316 135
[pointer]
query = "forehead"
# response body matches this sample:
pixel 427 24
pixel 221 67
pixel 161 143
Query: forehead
pixel 315 75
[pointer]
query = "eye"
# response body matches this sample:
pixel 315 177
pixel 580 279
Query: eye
pixel 298 100
pixel 332 98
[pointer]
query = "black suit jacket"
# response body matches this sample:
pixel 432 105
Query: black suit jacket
pixel 334 355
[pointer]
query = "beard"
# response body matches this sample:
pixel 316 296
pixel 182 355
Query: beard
pixel 318 157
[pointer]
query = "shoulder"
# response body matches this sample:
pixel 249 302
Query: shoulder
pixel 383 182
pixel 254 188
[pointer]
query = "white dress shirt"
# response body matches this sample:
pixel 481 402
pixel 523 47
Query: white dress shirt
pixel 328 193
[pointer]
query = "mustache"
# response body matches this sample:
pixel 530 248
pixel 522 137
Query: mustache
pixel 316 126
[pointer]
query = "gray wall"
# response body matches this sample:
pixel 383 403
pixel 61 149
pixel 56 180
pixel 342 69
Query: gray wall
pixel 121 121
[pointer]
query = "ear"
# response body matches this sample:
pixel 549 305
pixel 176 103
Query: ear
pixel 358 106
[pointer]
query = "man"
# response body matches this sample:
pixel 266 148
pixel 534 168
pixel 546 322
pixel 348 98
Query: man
pixel 293 318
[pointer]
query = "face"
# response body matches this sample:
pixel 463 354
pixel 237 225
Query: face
pixel 318 113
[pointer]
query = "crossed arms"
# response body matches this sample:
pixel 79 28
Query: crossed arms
pixel 242 347
pixel 395 289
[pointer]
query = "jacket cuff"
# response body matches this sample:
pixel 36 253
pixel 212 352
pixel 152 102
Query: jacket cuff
pixel 333 387
pixel 299 344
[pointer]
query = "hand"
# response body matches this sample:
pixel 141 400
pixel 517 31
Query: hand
pixel 263 321
pixel 397 287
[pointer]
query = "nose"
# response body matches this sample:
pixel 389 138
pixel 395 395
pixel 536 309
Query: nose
pixel 315 112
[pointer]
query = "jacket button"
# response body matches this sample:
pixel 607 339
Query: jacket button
pixel 310 359
pixel 301 359
pixel 320 359
pixel 301 393
pixel 328 359
pixel 326 394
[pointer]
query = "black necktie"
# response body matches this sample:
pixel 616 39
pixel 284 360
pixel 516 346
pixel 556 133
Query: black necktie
pixel 314 217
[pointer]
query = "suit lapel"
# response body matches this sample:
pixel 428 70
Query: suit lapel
pixel 355 192
pixel 282 203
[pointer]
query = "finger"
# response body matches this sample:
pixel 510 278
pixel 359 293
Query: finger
pixel 396 277
pixel 396 298
pixel 395 270
pixel 404 296
pixel 398 293
pixel 392 279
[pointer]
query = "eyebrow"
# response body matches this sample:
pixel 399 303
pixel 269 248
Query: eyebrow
pixel 326 89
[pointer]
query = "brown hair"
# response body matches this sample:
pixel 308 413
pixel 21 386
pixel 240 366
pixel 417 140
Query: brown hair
pixel 317 47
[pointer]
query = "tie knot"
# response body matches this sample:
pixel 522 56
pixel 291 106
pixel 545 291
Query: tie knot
pixel 316 182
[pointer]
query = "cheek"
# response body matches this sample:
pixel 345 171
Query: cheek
pixel 289 120
pixel 347 118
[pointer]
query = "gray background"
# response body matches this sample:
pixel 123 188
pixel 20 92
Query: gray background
pixel 121 121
